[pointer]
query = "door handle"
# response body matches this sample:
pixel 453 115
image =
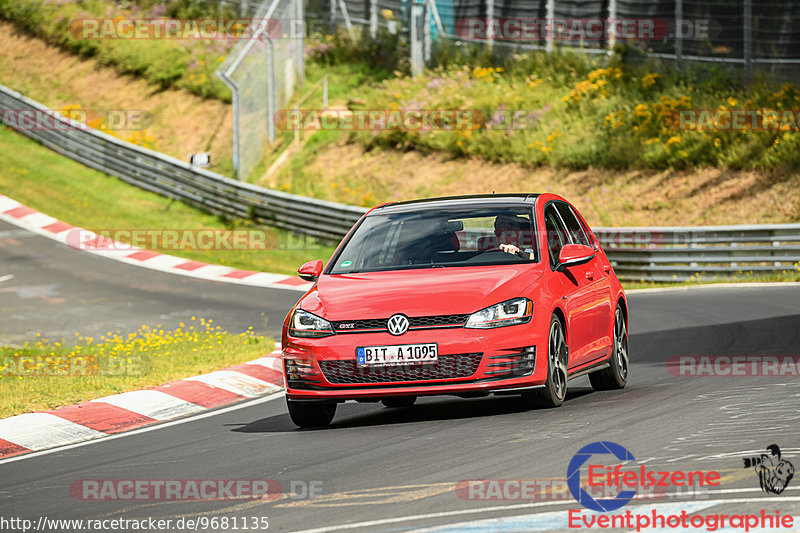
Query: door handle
pixel 589 276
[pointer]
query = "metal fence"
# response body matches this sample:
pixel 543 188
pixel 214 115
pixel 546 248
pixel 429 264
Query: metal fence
pixel 743 34
pixel 262 74
pixel 651 254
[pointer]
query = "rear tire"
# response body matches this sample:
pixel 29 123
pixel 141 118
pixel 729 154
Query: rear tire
pixel 555 388
pixel 311 414
pixel 399 401
pixel 615 376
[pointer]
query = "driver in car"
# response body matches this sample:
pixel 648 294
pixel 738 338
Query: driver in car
pixel 510 232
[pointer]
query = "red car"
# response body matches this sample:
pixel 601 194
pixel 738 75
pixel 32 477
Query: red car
pixel 467 296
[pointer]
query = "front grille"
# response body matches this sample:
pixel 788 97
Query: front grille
pixel 414 322
pixel 343 372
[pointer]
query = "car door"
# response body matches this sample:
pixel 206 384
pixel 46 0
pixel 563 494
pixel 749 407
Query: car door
pixel 574 289
pixel 596 294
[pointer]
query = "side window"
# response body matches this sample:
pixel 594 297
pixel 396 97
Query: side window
pixel 556 234
pixel 574 228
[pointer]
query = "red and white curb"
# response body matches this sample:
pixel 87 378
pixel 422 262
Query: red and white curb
pixel 23 216
pixel 95 419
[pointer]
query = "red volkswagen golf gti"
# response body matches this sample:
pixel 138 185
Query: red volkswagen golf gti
pixel 469 295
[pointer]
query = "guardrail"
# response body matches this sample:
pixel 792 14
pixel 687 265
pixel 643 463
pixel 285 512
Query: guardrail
pixel 650 254
pixel 176 179
pixel 701 252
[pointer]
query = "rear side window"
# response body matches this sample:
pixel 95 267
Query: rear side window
pixel 574 227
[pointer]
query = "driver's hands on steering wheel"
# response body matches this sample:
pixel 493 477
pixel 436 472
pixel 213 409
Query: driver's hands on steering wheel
pixel 509 248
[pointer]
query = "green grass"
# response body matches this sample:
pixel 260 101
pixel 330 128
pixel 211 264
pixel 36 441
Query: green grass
pixel 69 191
pixel 46 374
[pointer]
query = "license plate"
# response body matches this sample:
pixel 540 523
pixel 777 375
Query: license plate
pixel 398 354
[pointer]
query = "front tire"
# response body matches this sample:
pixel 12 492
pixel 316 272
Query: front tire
pixel 311 414
pixel 555 388
pixel 615 376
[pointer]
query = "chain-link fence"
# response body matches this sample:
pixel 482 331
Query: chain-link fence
pixel 263 72
pixel 747 35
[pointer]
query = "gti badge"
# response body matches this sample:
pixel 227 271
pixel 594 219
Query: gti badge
pixel 397 324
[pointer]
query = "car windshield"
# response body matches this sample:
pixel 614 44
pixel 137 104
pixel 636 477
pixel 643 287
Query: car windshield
pixel 437 238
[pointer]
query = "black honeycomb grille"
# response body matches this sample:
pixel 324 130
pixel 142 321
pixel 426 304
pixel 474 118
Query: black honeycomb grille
pixel 414 322
pixel 452 366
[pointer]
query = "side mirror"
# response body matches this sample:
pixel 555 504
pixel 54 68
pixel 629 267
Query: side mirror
pixel 574 254
pixel 310 271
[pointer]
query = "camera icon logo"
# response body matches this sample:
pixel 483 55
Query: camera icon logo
pixel 774 472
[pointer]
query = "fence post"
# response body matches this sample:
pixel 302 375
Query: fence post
pixel 417 37
pixel 300 22
pixel 332 21
pixel 678 33
pixel 748 40
pixel 489 18
pixel 612 16
pixel 347 22
pixel 549 35
pixel 270 89
pixel 373 19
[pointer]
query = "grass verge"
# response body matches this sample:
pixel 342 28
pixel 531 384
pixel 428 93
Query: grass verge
pixel 46 374
pixel 69 191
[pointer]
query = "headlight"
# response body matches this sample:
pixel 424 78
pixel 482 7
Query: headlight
pixel 305 324
pixel 516 311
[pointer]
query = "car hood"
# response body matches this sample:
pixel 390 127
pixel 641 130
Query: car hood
pixel 418 292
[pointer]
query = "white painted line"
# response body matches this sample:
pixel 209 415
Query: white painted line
pixel 39 220
pixel 7 277
pixel 152 403
pixel 39 431
pixel 6 203
pixel 481 510
pixel 215 412
pixel 235 382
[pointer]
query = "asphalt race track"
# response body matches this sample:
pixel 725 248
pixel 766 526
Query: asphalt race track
pixel 58 291
pixel 379 469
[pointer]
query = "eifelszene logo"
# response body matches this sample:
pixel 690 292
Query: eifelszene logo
pixel 623 478
pixel 774 473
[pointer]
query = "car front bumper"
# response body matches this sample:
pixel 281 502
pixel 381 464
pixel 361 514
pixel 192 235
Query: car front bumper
pixel 471 361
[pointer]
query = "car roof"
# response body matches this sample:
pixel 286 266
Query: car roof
pixel 459 201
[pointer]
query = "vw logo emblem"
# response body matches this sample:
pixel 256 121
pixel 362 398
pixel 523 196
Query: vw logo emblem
pixel 398 324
